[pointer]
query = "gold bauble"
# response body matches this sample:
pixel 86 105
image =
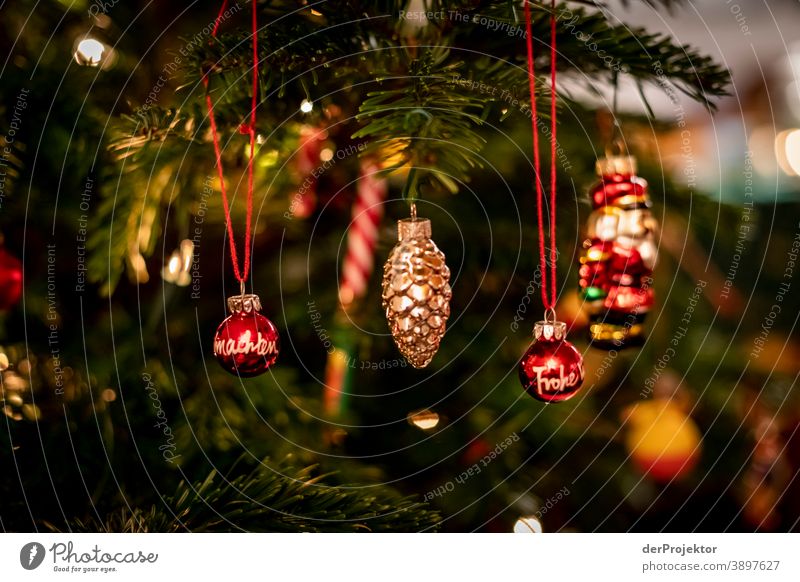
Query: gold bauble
pixel 416 292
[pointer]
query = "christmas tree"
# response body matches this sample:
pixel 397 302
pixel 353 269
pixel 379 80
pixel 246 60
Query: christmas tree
pixel 117 416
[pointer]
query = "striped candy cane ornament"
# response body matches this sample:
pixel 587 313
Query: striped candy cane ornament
pixel 356 270
pixel 363 236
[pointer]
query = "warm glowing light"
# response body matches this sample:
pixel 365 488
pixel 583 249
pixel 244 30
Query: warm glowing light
pixel 176 271
pixel 109 395
pixel 793 150
pixel 529 524
pixel 139 267
pixel 326 155
pixel 90 51
pixel 787 151
pixel 552 363
pixel 174 265
pixel 423 419
pixel 594 254
pixel 306 106
pixel 187 254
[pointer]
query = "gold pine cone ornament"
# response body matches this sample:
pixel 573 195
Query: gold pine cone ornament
pixel 416 292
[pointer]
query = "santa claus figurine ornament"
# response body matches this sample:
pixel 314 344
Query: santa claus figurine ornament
pixel 619 255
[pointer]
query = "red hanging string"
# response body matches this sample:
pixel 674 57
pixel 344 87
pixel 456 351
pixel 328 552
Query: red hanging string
pixel 548 297
pixel 241 276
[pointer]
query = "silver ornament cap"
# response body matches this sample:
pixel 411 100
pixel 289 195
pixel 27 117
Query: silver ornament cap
pixel 550 330
pixel 245 303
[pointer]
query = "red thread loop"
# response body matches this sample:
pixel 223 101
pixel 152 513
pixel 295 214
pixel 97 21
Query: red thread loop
pixel 548 298
pixel 249 129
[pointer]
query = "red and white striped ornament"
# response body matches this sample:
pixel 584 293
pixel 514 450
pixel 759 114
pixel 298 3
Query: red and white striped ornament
pixel 306 164
pixel 356 270
pixel 363 236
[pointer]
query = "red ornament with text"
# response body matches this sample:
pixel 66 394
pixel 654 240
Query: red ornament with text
pixel 552 369
pixel 618 255
pixel 246 343
pixel 10 279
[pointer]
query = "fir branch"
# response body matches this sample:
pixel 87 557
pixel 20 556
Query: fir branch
pixel 132 133
pixel 127 222
pixel 125 229
pixel 432 128
pixel 345 42
pixel 591 47
pixel 267 499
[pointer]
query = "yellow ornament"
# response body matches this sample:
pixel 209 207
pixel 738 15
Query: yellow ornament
pixel 662 441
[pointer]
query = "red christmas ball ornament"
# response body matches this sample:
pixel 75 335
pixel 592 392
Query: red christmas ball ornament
pixel 246 343
pixel 10 280
pixel 552 369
